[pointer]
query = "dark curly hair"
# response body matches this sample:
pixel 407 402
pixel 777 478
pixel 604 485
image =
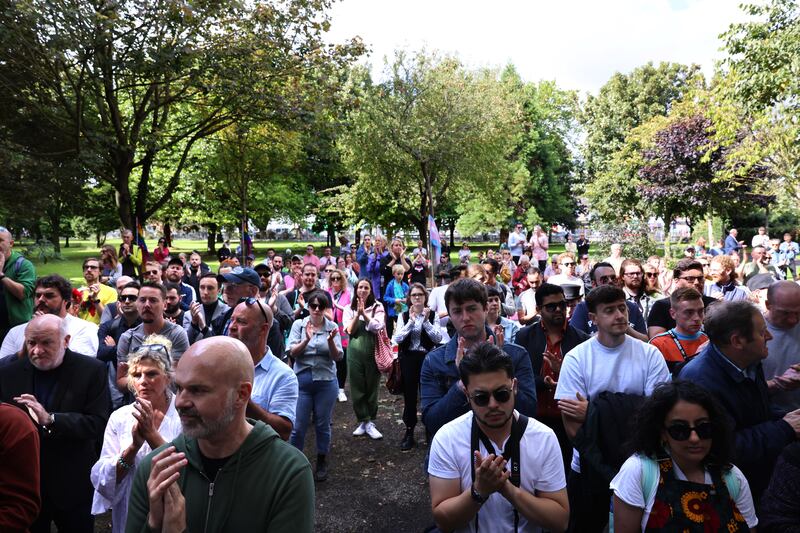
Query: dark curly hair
pixel 648 422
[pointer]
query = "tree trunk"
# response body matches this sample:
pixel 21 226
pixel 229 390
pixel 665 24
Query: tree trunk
pixel 54 217
pixel 97 239
pixel 452 233
pixel 66 240
pixel 167 235
pixel 358 238
pixel 332 235
pixel 211 241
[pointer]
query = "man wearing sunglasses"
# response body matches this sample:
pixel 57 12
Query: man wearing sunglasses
pixel 687 273
pixel 566 275
pixel 547 342
pixel 474 486
pixel 275 391
pixel 605 274
pixel 611 361
pixel 441 397
pixel 17 276
pixel 730 368
pixel 110 333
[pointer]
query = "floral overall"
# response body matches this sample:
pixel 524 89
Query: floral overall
pixel 685 506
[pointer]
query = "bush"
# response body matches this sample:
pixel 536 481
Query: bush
pixel 634 238
pixel 42 251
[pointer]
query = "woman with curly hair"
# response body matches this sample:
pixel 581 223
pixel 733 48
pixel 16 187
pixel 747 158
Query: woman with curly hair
pixel 680 476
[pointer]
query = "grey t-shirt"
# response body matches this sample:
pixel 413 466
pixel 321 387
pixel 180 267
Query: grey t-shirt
pixel 784 351
pixel 131 340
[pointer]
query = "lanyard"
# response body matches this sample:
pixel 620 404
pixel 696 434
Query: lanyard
pixel 678 344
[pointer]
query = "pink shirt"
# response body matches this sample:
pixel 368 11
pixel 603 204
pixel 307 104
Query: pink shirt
pixel 540 245
pixel 311 259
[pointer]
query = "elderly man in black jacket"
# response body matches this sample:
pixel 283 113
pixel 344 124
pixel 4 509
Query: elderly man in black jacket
pixel 66 395
pixel 547 341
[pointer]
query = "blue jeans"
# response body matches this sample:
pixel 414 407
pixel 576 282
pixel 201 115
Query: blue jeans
pixel 317 397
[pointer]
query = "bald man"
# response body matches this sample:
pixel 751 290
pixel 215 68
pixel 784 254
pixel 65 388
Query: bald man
pixel 782 365
pixel 66 394
pixel 273 399
pixel 225 472
pixel 17 276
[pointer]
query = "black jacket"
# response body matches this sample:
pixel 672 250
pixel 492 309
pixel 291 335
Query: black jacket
pixel 81 404
pixel 113 328
pixel 533 339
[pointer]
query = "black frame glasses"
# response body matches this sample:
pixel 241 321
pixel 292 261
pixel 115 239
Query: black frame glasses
pixel 481 398
pixel 682 432
pixel 551 307
pixel 250 300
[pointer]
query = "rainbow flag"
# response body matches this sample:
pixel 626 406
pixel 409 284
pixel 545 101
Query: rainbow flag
pixel 140 242
pixel 436 242
pixel 248 244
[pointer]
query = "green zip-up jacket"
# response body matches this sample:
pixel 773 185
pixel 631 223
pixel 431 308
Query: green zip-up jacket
pixel 22 271
pixel 267 485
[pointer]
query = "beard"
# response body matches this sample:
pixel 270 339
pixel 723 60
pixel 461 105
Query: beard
pixel 199 427
pixel 495 423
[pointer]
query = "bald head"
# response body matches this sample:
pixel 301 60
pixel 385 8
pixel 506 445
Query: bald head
pixel 121 282
pixel 783 304
pixel 226 358
pixel 46 341
pixel 6 242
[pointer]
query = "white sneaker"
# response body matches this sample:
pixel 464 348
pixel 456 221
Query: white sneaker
pixel 342 396
pixel 373 432
pixel 360 430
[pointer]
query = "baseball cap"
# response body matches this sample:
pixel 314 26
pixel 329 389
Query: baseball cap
pixel 243 275
pixel 297 258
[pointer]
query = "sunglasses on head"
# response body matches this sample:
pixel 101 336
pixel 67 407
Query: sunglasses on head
pixel 551 307
pixel 154 348
pixel 128 297
pixel 681 432
pixel 481 399
pixel 248 301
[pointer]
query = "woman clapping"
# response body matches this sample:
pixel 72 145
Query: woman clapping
pixel 135 430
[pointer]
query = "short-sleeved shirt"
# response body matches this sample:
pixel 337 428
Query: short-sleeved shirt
pixel 541 469
pixel 275 387
pixel 316 356
pixel 627 486
pixel 105 294
pixel 659 314
pixel 667 344
pixel 82 337
pixel 633 367
pixel 131 340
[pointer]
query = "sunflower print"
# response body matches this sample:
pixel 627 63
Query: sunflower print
pixel 693 504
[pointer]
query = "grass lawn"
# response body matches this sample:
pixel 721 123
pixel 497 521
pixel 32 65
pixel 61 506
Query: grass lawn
pixel 72 258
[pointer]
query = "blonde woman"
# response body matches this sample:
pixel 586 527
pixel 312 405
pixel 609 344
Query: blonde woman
pixel 135 430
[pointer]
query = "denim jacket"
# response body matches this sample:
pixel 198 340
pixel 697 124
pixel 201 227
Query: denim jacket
pixel 442 399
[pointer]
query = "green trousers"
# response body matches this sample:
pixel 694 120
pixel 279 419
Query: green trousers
pixel 364 379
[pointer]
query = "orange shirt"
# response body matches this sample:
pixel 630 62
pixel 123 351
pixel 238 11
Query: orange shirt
pixel 677 348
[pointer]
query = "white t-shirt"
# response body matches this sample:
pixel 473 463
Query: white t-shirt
pixel 82 337
pixel 633 367
pixel 627 486
pixel 527 300
pixel 436 304
pixel 541 468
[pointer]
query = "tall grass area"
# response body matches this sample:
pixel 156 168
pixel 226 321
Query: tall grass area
pixel 72 258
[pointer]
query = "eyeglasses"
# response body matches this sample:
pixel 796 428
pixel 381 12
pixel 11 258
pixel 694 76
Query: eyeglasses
pixel 632 274
pixel 692 279
pixel 251 301
pixel 481 399
pixel 681 432
pixel 335 278
pixel 607 279
pixel 153 348
pixel 551 307
pixel 91 267
pixel 152 272
pixel 329 270
pixel 128 297
pixel 417 295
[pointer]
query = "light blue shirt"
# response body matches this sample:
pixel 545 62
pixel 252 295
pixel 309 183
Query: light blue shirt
pixel 316 354
pixel 516 243
pixel 275 387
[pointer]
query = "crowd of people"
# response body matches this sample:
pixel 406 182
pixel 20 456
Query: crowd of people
pixel 551 388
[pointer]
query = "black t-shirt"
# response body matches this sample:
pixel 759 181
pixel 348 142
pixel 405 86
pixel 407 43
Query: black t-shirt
pixel 212 466
pixel 44 383
pixel 659 313
pixel 419 273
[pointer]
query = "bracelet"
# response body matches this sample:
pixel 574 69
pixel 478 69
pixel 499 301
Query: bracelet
pixel 124 464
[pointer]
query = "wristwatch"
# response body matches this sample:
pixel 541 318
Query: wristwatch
pixel 476 496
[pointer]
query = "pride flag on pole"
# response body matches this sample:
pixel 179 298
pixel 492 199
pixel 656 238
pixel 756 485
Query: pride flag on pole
pixel 140 242
pixel 436 242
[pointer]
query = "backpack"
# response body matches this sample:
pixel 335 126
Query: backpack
pixel 650 477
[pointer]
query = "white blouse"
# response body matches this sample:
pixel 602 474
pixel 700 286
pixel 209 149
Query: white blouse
pixel 108 493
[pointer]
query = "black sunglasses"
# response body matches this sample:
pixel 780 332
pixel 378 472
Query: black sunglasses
pixel 128 297
pixel 481 399
pixel 551 308
pixel 681 432
pixel 314 307
pixel 651 274
pixel 253 301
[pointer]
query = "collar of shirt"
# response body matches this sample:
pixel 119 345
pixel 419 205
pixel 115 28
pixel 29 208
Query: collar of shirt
pixel 266 361
pixel 737 373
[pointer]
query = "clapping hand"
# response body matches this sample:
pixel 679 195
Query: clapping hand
pixel 554 361
pixel 167 511
pixel 36 410
pixel 574 409
pixel 490 473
